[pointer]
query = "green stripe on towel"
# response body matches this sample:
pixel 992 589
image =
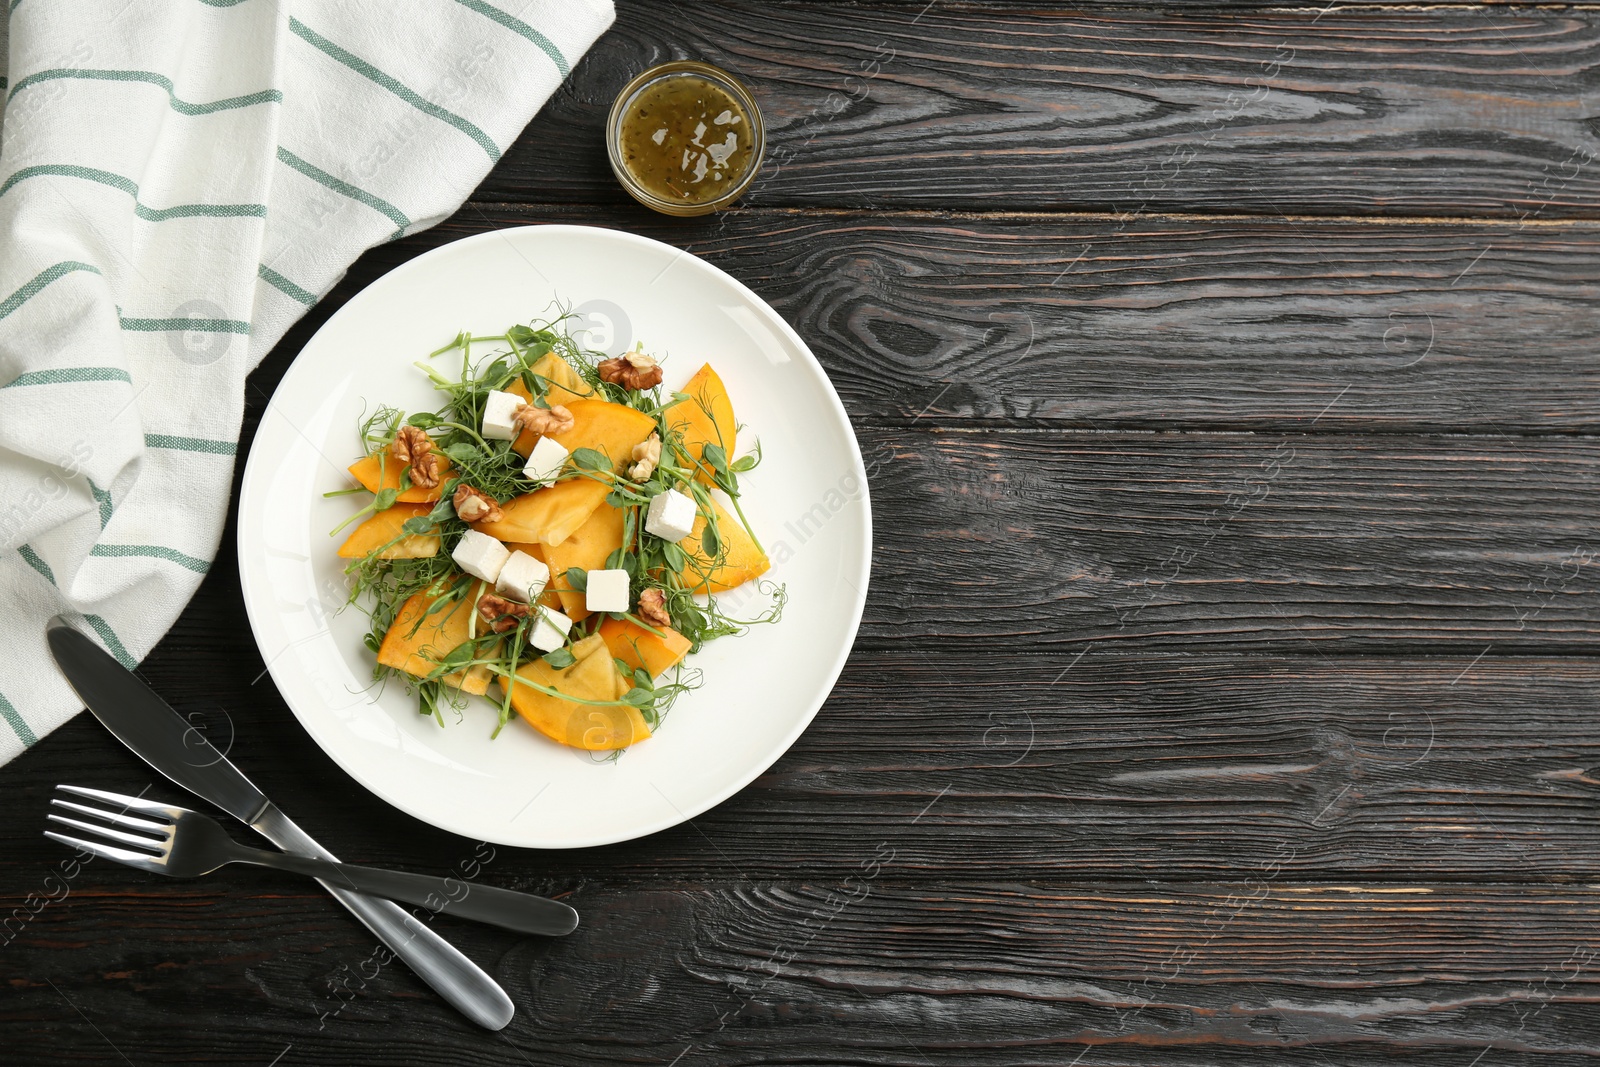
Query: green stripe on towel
pixel 14 719
pixel 62 375
pixel 516 25
pixel 103 498
pixel 172 555
pixel 127 185
pixel 31 288
pixel 208 445
pixel 208 3
pixel 344 188
pixel 31 558
pixel 202 325
pixel 200 211
pixel 149 77
pixel 113 643
pixel 101 627
pixel 378 77
pixel 285 286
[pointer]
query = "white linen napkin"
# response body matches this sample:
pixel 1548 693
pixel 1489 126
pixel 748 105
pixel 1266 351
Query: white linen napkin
pixel 179 181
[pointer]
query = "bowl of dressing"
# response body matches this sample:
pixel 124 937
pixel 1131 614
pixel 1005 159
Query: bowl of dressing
pixel 685 138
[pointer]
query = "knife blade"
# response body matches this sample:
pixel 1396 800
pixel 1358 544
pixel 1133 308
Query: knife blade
pixel 147 724
pixel 138 717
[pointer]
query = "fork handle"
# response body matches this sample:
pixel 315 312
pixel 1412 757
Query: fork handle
pixel 522 912
pixel 465 985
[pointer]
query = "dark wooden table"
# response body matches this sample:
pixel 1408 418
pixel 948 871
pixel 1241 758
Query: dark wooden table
pixel 1227 691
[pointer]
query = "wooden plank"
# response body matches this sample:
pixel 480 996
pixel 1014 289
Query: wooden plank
pixel 1248 324
pixel 861 970
pixel 1314 111
pixel 993 763
pixel 1247 542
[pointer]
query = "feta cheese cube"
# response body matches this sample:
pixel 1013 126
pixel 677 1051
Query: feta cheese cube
pixel 550 631
pixel 522 578
pixel 671 516
pixel 607 591
pixel 544 463
pixel 480 555
pixel 499 415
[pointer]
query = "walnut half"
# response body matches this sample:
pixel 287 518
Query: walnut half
pixel 413 447
pixel 631 370
pixel 653 608
pixel 553 419
pixel 474 505
pixel 501 614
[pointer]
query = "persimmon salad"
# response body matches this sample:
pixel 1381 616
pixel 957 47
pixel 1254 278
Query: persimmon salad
pixel 549 538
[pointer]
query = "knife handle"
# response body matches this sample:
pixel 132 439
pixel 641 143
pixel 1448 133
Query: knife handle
pixel 454 977
pixel 523 912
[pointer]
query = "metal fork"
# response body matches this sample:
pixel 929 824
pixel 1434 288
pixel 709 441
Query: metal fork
pixel 181 843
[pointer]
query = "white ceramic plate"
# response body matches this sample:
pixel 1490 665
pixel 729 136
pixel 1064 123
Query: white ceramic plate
pixel 807 500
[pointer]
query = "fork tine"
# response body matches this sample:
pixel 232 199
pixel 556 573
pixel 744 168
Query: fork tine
pixel 131 822
pixel 125 803
pixel 121 855
pixel 116 835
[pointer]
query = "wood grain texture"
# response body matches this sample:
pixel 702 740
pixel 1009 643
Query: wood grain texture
pixel 1194 324
pixel 994 764
pixel 1451 111
pixel 860 970
pixel 1051 541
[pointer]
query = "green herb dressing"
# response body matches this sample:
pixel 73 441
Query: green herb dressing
pixel 686 139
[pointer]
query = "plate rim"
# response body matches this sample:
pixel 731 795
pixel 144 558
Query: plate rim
pixel 738 782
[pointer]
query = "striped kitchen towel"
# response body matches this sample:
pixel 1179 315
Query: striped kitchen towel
pixel 179 181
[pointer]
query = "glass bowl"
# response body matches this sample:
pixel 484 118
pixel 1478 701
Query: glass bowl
pixel 628 101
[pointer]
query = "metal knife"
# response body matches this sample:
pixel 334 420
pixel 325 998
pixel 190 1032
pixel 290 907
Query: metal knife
pixel 161 737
